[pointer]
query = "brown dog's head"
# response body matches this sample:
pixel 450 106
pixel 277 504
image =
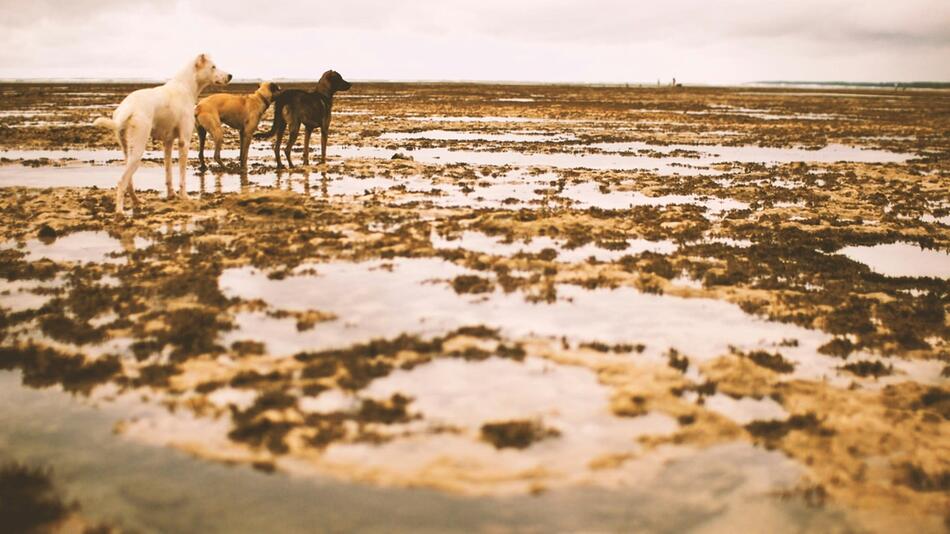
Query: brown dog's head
pixel 331 82
pixel 268 90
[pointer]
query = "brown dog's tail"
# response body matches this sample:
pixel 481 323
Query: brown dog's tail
pixel 278 120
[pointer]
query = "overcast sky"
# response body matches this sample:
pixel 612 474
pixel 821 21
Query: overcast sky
pixel 699 41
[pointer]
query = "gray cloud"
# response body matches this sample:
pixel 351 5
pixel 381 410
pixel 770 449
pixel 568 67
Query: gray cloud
pixel 548 40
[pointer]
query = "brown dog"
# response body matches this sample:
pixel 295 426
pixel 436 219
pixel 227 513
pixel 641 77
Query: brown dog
pixel 241 112
pixel 310 108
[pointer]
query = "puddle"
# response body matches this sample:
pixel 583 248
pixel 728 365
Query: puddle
pixel 18 295
pixel 745 410
pixel 722 109
pixel 561 160
pixel 452 393
pixel 588 194
pixel 453 135
pixel 82 247
pixel 901 259
pixel 928 218
pixel 150 176
pixel 806 93
pixel 755 154
pixel 479 119
pixel 140 487
pixel 385 299
pixel 479 242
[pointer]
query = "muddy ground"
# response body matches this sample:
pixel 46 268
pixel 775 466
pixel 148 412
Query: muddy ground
pixel 510 290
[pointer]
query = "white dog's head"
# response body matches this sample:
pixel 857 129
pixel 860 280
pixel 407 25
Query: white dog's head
pixel 206 72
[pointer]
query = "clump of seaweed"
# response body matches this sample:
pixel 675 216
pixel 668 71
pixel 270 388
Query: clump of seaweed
pixel 43 367
pixel 516 434
pixel 773 361
pixel 29 502
pixel 771 432
pixel 469 283
pixel 868 368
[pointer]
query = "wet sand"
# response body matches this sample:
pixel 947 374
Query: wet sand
pixel 727 304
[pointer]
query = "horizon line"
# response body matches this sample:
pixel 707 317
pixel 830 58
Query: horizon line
pixel 885 83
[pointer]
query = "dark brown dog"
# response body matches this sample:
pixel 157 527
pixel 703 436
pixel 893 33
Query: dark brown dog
pixel 294 107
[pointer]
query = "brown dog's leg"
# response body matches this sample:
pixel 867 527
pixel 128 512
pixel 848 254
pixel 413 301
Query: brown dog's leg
pixel 292 134
pixel 218 134
pixel 242 155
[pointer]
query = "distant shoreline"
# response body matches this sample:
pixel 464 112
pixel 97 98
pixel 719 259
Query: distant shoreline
pixel 760 84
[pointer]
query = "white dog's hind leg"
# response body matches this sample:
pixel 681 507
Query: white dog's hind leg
pixel 186 128
pixel 182 166
pixel 135 141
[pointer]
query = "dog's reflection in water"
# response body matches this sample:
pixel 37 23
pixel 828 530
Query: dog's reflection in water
pixel 282 180
pixel 218 176
pixel 286 180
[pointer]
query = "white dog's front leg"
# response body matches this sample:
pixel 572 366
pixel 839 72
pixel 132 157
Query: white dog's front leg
pixel 168 168
pixel 183 147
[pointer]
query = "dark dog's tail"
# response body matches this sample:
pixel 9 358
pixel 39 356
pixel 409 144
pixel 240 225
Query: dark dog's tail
pixel 278 120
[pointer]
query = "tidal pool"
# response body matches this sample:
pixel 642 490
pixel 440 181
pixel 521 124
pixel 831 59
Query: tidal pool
pixel 154 489
pixel 83 247
pixel 479 242
pixel 901 259
pixel 454 135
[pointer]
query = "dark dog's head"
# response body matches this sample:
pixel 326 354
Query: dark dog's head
pixel 331 82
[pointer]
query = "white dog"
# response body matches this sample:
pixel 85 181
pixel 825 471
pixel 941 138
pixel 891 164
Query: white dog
pixel 165 113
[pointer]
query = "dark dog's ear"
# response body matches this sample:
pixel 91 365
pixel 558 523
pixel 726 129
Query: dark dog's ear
pixel 274 88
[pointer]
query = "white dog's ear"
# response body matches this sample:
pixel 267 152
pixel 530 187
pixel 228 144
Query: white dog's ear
pixel 200 62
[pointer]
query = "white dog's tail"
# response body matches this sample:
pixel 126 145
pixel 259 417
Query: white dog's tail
pixel 105 122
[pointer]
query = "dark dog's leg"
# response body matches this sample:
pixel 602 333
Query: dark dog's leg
pixel 202 133
pixel 324 133
pixel 291 139
pixel 278 137
pixel 306 144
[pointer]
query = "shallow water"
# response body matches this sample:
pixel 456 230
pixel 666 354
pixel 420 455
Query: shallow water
pixel 589 194
pixel 901 259
pixel 82 247
pixel 452 135
pixel 376 299
pixel 464 395
pixel 479 242
pixel 477 119
pixel 756 154
pixel 385 299
pixel 561 160
pixel 152 489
